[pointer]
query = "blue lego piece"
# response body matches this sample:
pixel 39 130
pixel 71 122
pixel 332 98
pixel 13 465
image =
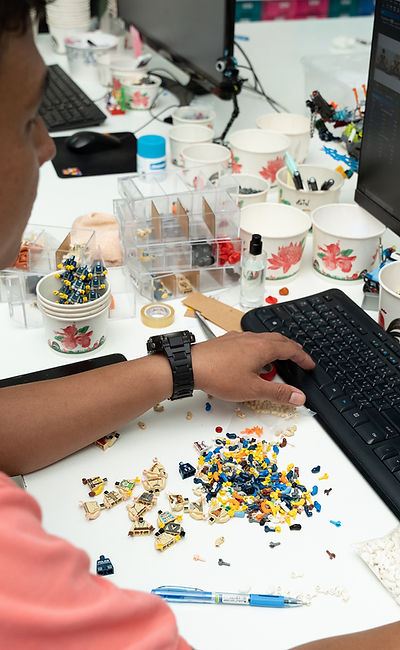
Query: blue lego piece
pixel 317 506
pixel 208 406
pixel 275 449
pixel 239 513
pixel 314 491
pixel 231 436
pixel 335 523
pixel 104 566
pixel 308 511
pixel 268 529
pixel 348 160
pixel 186 470
pixel 316 469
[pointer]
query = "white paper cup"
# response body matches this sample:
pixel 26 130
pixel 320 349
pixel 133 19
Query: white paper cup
pixel 256 151
pixel 123 68
pixel 80 311
pixel 82 57
pixel 75 336
pixel 306 199
pixel 201 115
pixel 211 158
pixel 389 298
pixel 184 135
pixel 141 96
pixel 283 230
pixel 45 295
pixel 59 33
pixel 253 182
pixel 296 127
pixel 345 241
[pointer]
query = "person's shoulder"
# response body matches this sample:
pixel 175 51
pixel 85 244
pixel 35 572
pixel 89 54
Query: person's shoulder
pixel 14 499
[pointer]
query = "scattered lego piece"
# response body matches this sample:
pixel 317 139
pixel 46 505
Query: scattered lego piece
pixel 189 415
pixel 271 300
pixel 222 563
pixel 158 408
pixel 323 477
pixel 107 441
pixel 316 469
pixel 218 429
pixel 169 535
pixel 177 502
pixel 197 558
pixel 155 477
pixel 186 470
pixel 269 408
pixel 96 485
pixel 164 518
pixel 207 406
pixel 196 509
pixel 331 555
pixel 92 509
pixel 284 291
pixel 112 499
pixel 335 523
pixel 200 446
pixel 273 544
pixel 141 424
pixel 141 505
pixel 295 527
pixel 314 491
pixel 140 528
pixel 317 506
pixel 283 443
pixel 328 491
pixel 240 413
pixel 219 541
pixel 126 487
pixel 104 566
pixel 218 515
pixel 258 431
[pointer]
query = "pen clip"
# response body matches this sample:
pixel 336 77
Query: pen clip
pixel 184 590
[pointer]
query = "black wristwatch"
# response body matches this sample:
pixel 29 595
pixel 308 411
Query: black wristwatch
pixel 176 346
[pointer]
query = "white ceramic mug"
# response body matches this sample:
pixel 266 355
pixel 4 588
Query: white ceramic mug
pixel 283 230
pixel 346 241
pixel 389 298
pixel 296 127
pixel 256 151
pixel 184 135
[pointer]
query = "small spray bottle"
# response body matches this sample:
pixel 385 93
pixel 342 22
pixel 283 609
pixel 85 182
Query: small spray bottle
pixel 253 274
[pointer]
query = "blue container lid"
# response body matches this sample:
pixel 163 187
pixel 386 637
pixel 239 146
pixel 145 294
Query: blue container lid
pixel 151 146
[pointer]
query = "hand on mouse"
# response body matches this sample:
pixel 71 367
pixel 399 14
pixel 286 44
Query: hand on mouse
pixel 229 366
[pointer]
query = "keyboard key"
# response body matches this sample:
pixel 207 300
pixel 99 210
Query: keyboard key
pixel 393 463
pixel 370 433
pixel 320 377
pixel 331 391
pixel 354 417
pixel 386 451
pixel 342 403
pixel 392 415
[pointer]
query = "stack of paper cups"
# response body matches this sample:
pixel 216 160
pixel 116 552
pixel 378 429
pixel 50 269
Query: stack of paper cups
pixel 76 328
pixel 65 18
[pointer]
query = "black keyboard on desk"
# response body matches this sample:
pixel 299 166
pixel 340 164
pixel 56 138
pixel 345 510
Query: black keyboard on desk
pixel 65 106
pixel 355 387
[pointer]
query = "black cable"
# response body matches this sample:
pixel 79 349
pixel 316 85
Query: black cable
pixel 273 103
pixel 155 117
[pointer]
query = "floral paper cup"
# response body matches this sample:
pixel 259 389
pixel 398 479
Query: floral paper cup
pixel 142 94
pixel 345 241
pixel 257 151
pixel 389 298
pixel 184 135
pixel 283 229
pixel 296 127
pixel 210 158
pixel 250 189
pixel 200 115
pixel 78 335
pixel 306 199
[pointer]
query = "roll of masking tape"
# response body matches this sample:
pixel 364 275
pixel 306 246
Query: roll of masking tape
pixel 157 315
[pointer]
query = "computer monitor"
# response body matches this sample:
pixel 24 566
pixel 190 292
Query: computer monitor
pixel 378 187
pixel 193 34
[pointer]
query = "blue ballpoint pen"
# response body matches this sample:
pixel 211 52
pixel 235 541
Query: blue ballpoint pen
pixel 193 595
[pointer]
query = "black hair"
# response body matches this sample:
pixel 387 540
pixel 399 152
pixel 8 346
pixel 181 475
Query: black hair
pixel 15 15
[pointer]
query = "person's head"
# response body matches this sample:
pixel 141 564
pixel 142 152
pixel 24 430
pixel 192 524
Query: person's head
pixel 24 142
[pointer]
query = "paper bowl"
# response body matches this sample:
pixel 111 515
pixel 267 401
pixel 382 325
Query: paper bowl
pixel 184 135
pixel 45 295
pixel 201 115
pixel 296 127
pixel 389 298
pixel 75 336
pixel 256 151
pixel 283 230
pixel 211 158
pixel 306 199
pixel 250 181
pixel 141 96
pixel 345 241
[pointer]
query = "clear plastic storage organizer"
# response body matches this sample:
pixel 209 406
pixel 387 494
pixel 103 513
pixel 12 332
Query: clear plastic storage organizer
pixel 176 238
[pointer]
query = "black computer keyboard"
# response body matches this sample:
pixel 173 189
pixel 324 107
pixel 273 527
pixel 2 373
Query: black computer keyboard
pixel 355 387
pixel 65 106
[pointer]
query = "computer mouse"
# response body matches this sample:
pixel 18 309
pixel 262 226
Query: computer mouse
pixel 92 142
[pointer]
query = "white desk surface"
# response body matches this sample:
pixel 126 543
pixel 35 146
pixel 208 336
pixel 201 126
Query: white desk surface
pixel 170 436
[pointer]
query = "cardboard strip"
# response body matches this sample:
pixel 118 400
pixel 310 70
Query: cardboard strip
pixel 215 311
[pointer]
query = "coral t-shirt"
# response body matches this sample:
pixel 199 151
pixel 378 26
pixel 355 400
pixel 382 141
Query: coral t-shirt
pixel 49 600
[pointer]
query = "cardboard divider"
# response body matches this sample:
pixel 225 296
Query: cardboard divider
pixel 209 218
pixel 215 311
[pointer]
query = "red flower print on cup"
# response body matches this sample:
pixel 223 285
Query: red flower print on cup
pixel 235 164
pixel 273 166
pixel 286 257
pixel 140 100
pixel 70 337
pixel 333 257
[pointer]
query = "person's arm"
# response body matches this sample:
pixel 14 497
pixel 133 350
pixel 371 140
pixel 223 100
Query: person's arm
pixel 387 637
pixel 43 422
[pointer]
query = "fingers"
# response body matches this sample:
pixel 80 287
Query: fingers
pixel 285 349
pixel 282 393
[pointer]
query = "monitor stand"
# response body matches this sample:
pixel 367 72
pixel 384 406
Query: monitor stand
pixel 183 93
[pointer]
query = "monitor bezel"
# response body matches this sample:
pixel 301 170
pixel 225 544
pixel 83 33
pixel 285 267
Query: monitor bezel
pixel 199 75
pixel 360 197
